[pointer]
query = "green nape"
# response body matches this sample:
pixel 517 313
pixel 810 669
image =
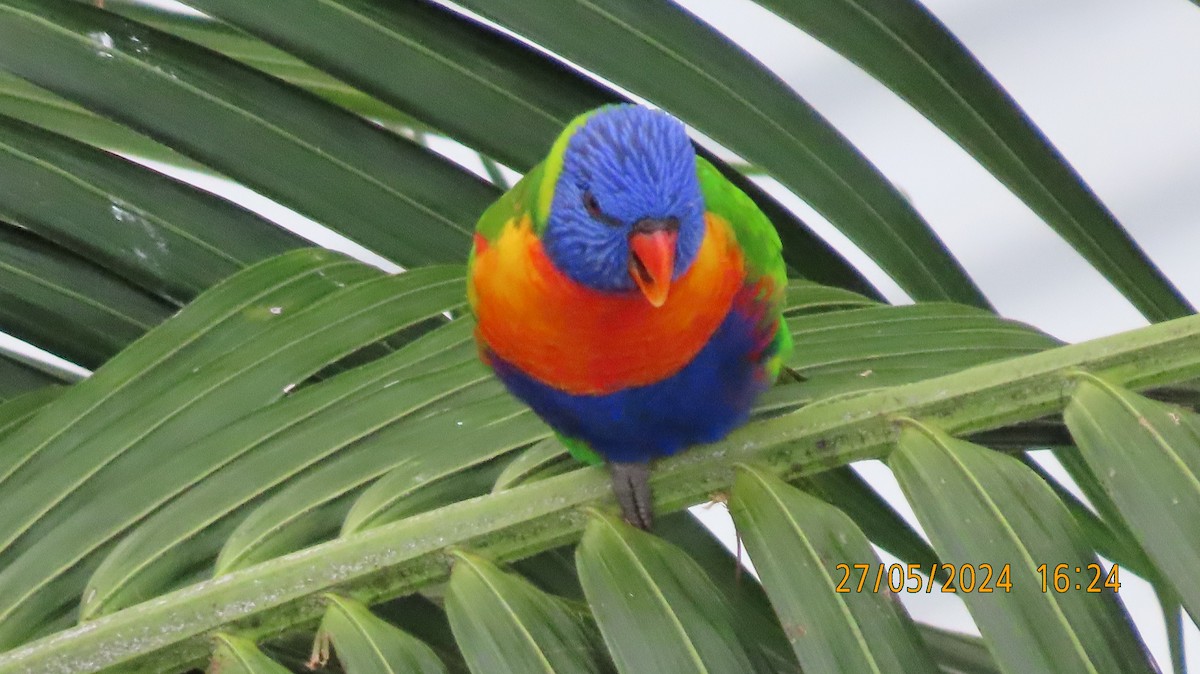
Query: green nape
pixel 553 164
pixel 516 202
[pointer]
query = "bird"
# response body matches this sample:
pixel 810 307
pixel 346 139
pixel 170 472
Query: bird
pixel 630 295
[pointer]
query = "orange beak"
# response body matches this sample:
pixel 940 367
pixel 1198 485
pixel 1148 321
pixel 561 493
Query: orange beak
pixel 652 262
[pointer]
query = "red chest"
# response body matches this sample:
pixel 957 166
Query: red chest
pixel 583 341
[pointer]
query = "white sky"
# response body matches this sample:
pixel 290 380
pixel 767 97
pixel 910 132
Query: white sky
pixel 1113 84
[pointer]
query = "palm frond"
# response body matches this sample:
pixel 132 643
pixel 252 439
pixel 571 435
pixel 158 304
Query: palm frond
pixel 285 458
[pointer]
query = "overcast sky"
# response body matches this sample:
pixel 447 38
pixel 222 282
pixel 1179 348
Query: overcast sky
pixel 1112 83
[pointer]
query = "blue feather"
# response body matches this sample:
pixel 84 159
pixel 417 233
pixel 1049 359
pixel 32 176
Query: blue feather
pixel 635 163
pixel 701 403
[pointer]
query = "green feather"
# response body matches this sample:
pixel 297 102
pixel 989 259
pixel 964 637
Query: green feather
pixel 514 203
pixel 580 450
pixel 757 238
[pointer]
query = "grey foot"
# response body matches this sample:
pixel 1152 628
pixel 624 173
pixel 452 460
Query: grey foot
pixel 631 484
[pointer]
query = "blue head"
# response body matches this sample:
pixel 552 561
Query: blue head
pixel 627 211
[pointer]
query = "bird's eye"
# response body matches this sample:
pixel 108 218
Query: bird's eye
pixel 592 205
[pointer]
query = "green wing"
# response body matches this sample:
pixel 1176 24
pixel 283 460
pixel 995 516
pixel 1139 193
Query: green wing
pixel 759 243
pixel 755 233
pixel 515 203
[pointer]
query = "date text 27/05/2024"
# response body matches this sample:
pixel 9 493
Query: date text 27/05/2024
pixel 982 578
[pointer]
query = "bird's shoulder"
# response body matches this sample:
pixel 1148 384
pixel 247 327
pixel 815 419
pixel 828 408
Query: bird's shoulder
pixel 518 202
pixel 755 235
pixel 762 253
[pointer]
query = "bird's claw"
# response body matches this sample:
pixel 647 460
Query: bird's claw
pixel 631 484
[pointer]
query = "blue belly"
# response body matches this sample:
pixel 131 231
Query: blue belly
pixel 701 403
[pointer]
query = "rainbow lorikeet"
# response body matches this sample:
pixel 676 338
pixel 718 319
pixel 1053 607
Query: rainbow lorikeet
pixel 630 295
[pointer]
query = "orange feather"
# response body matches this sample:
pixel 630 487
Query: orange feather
pixel 590 342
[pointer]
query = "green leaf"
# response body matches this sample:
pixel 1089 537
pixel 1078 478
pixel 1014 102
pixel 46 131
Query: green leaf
pixel 235 311
pixel 553 572
pixel 509 101
pixel 884 341
pixel 754 619
pixel 484 423
pixel 796 543
pixel 235 655
pixel 980 507
pixel 853 350
pixel 544 458
pixel 402 492
pixel 21 375
pixel 33 105
pixel 755 623
pixel 906 47
pixel 808 297
pixel 505 624
pixel 481 87
pixel 658 50
pixel 1037 434
pixel 872 514
pixel 167 237
pixel 331 165
pixel 424 619
pixel 1175 618
pixel 239 46
pixel 200 495
pixel 374 565
pixel 366 644
pixel 16 411
pixel 657 609
pixel 957 652
pixel 1146 456
pixel 1106 532
pixel 274 344
pixel 67 306
pixel 432 478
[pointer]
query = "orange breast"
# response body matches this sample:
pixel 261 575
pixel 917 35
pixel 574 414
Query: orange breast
pixel 585 341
